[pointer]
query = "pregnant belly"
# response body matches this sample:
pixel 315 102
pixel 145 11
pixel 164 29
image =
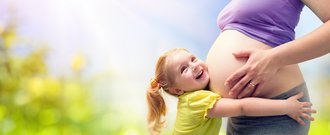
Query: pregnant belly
pixel 221 63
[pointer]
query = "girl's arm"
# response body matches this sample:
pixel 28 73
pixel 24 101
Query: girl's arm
pixel 226 107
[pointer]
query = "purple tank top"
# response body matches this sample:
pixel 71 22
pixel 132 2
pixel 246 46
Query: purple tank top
pixel 269 21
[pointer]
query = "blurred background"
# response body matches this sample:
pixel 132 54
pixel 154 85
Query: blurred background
pixel 81 67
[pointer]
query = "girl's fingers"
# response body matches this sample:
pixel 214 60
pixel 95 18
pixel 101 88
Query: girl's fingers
pixel 299 95
pixel 309 110
pixel 307 104
pixel 307 117
pixel 300 121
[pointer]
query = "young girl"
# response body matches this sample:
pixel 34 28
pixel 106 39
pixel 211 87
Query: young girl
pixel 181 74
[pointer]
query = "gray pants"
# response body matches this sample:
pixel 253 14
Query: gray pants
pixel 270 125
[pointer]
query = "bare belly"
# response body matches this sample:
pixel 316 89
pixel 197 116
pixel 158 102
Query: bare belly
pixel 221 63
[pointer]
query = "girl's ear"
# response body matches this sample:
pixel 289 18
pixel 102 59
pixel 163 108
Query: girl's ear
pixel 176 91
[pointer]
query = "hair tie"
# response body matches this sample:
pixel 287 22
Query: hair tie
pixel 154 84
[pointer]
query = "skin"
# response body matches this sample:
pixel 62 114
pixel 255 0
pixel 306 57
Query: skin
pixel 185 68
pixel 191 74
pixel 262 65
pixel 221 63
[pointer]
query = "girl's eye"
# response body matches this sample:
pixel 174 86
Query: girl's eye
pixel 183 69
pixel 193 59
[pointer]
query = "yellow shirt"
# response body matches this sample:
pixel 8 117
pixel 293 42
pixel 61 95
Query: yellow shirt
pixel 192 111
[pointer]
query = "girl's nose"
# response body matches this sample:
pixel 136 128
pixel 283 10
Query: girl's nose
pixel 194 67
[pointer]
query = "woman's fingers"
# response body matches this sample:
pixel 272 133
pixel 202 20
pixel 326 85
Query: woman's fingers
pixel 239 86
pixel 242 54
pixel 235 77
pixel 248 90
pixel 238 81
pixel 257 90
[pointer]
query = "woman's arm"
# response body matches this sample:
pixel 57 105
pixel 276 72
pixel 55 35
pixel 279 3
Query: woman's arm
pixel 263 64
pixel 226 107
pixel 315 44
pixel 319 8
pixel 312 45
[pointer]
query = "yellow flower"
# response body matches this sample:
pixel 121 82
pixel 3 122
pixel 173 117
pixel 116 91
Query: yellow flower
pixel 3 111
pixel 78 62
pixel 9 37
pixel 35 86
pixel 52 86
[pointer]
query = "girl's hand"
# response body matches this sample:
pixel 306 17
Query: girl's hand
pixel 297 110
pixel 249 79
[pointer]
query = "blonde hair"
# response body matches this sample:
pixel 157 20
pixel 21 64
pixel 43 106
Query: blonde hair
pixel 156 103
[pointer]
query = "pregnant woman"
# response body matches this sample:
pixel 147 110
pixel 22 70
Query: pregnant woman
pixel 264 29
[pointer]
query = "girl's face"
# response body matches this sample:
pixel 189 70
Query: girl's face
pixel 189 72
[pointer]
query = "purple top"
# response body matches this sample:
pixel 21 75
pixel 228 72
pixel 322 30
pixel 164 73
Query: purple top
pixel 269 21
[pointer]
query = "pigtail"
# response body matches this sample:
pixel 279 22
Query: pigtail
pixel 157 108
pixel 155 100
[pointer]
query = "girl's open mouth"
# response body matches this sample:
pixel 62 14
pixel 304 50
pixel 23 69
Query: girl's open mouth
pixel 200 74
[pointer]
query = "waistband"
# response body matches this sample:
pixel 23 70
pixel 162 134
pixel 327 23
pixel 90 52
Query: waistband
pixel 300 88
pixel 271 125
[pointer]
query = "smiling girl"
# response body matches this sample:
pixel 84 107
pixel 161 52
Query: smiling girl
pixel 199 111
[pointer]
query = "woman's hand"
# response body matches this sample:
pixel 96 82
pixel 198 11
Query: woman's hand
pixel 297 110
pixel 250 78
